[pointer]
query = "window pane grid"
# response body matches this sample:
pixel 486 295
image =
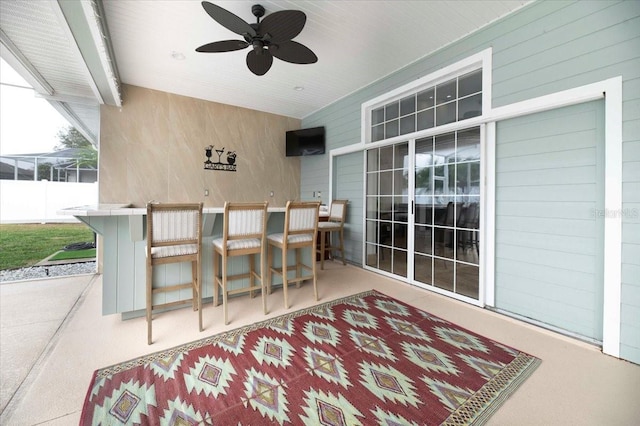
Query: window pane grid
pixel 387 194
pixel 457 99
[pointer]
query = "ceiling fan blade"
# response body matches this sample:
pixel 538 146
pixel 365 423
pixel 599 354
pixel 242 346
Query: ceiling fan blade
pixel 223 46
pixel 259 63
pixel 228 19
pixel 294 52
pixel 283 25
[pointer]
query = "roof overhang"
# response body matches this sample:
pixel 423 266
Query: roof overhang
pixel 63 50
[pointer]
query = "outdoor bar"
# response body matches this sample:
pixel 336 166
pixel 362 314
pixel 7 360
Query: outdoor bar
pixel 122 255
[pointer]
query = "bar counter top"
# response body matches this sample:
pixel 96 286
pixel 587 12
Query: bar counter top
pixel 124 209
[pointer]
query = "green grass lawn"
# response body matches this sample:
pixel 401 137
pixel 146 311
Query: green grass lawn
pixel 74 254
pixel 24 245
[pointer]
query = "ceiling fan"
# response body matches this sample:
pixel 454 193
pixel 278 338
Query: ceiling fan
pixel 270 37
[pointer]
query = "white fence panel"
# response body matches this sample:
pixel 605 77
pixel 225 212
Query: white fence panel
pixel 38 202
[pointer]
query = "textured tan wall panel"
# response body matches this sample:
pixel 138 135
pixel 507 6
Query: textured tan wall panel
pixel 153 148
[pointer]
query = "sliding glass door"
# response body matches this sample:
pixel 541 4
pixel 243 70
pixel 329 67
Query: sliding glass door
pixel 447 212
pixel 423 211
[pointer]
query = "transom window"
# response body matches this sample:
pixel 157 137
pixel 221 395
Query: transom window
pixel 453 100
pixel 423 196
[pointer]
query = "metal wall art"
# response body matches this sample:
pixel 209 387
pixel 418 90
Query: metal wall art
pixel 229 166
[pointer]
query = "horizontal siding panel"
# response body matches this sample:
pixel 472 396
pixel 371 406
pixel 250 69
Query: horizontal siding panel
pixel 578 38
pixel 558 210
pixel 553 127
pixel 631 89
pixel 584 64
pixel 548 193
pixel 631 214
pixel 567 175
pixel 557 314
pixel 629 334
pixel 631 233
pixel 573 78
pixel 575 297
pixel 631 192
pixel 632 109
pixel 560 218
pixel 628 314
pixel 355 178
pixel 351 187
pixel 546 29
pixel 631 253
pixel 348 170
pixel 631 274
pixel 631 151
pixel 570 228
pixel 546 144
pixel 561 260
pixel 629 353
pixel 575 158
pixel 631 171
pixel 552 242
pixel 351 177
pixel 350 166
pixel 546 274
pixel 631 295
pixel 631 128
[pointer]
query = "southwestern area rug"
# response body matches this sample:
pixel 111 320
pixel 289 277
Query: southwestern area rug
pixel 361 360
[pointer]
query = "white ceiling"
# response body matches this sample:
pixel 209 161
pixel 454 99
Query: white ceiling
pixel 357 43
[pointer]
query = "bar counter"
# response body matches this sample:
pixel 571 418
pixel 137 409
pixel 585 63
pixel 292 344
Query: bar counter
pixel 122 260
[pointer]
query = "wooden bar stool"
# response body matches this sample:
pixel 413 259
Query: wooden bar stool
pixel 337 215
pixel 244 234
pixel 300 231
pixel 174 234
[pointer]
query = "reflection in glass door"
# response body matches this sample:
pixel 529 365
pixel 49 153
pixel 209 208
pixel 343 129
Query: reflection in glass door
pixel 447 212
pixel 387 208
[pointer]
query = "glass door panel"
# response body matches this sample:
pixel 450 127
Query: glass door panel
pixel 387 208
pixel 434 225
pixel 447 212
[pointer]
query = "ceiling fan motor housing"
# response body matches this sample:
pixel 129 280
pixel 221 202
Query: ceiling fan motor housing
pixel 258 11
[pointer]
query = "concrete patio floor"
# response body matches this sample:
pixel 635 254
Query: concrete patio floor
pixel 53 336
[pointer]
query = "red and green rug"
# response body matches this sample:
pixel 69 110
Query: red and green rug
pixel 361 360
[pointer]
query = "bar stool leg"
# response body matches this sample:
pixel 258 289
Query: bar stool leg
pixel 149 296
pixel 224 291
pixel 322 248
pixel 284 277
pixel 216 272
pixel 344 262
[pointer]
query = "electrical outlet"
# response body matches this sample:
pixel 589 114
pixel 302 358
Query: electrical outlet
pixel 206 192
pixel 271 194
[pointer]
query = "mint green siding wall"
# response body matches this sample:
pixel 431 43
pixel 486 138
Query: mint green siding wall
pixel 543 48
pixel 549 233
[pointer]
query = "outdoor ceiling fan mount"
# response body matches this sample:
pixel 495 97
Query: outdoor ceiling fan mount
pixel 269 37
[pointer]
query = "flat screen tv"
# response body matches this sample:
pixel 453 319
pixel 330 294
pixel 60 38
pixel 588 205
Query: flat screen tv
pixel 305 142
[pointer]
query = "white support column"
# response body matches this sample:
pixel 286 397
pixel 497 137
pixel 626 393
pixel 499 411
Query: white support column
pixel 613 218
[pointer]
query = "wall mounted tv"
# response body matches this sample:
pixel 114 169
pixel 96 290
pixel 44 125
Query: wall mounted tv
pixel 305 142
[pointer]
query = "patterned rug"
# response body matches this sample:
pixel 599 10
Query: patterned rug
pixel 360 360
